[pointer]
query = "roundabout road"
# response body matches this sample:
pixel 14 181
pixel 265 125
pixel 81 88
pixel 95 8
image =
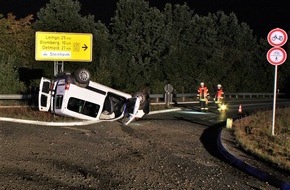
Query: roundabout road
pixel 171 150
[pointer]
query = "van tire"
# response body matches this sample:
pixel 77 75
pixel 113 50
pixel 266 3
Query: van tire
pixel 142 97
pixel 144 101
pixel 82 76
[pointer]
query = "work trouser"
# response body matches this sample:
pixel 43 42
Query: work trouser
pixel 203 104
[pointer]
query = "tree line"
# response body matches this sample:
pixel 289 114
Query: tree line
pixel 143 45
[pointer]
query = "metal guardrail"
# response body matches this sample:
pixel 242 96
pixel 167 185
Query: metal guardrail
pixel 183 96
pixel 157 96
pixel 15 96
pixel 155 99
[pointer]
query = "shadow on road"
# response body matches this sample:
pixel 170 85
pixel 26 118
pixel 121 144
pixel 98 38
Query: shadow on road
pixel 210 138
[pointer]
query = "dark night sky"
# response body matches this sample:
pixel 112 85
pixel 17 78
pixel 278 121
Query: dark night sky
pixel 261 15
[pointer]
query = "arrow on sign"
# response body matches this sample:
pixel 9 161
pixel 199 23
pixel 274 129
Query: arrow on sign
pixel 85 47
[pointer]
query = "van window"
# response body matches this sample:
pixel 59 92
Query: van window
pixel 43 100
pixel 83 107
pixel 45 87
pixel 58 101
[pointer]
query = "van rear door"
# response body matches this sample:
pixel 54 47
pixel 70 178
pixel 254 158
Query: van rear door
pixel 44 95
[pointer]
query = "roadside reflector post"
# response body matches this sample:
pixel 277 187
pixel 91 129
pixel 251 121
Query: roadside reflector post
pixel 229 124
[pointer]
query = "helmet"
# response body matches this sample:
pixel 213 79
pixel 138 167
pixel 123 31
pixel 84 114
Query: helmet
pixel 202 83
pixel 219 85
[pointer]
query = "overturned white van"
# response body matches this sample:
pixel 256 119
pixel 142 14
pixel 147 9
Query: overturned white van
pixel 76 96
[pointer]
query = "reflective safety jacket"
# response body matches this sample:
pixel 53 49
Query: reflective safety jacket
pixel 219 95
pixel 202 93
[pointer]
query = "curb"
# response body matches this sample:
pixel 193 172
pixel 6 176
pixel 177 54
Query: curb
pixel 262 175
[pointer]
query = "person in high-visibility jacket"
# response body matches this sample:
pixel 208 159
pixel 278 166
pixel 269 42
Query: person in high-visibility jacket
pixel 203 95
pixel 219 97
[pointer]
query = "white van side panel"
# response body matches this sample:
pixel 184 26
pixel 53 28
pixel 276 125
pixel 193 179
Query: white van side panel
pixel 75 91
pixel 95 93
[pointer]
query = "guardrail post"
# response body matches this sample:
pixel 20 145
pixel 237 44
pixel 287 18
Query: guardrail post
pixel 183 98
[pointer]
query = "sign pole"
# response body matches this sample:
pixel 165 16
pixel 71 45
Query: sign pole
pixel 276 56
pixel 274 100
pixel 58 67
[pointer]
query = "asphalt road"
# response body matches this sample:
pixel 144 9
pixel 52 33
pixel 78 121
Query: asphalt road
pixel 173 150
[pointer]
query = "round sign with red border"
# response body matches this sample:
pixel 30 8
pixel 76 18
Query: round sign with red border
pixel 276 56
pixel 277 37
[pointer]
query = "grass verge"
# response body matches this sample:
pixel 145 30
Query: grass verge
pixel 29 113
pixel 254 134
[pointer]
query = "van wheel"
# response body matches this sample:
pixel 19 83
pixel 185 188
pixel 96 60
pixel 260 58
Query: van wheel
pixel 82 76
pixel 144 101
pixel 141 96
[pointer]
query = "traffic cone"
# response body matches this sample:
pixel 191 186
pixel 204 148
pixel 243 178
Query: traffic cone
pixel 240 108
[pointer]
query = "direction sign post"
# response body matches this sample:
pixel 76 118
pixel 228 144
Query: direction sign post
pixel 276 56
pixel 168 94
pixel 57 46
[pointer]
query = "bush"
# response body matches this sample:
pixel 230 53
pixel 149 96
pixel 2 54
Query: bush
pixel 9 78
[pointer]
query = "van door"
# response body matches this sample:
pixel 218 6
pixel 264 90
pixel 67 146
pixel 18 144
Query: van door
pixel 44 95
pixel 131 110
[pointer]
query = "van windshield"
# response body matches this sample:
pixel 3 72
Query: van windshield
pixel 83 107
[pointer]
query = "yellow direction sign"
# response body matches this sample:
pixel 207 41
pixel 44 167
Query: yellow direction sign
pixel 57 46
